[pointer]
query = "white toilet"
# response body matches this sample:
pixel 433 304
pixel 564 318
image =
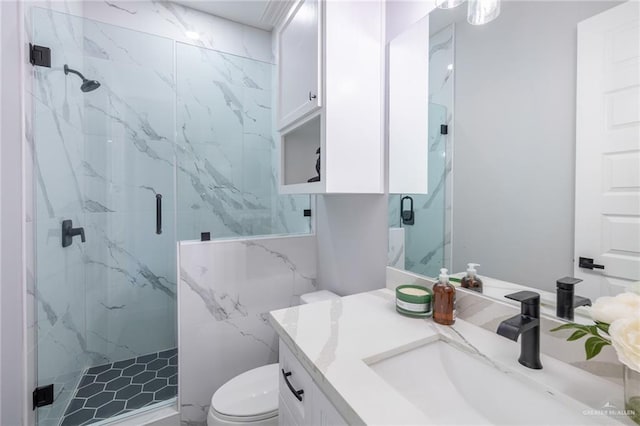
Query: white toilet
pixel 251 398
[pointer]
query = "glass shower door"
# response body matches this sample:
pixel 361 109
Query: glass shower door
pixel 103 139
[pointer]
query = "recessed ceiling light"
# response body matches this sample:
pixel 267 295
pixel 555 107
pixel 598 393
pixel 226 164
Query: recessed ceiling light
pixel 192 35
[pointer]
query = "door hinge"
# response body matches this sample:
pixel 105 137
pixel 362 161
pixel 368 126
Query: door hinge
pixel 307 212
pixel 39 56
pixel 444 129
pixel 42 396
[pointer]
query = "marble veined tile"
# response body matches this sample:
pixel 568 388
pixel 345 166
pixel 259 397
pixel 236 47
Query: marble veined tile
pixel 124 46
pixel 226 289
pixel 396 254
pixel 177 22
pixel 132 100
pixel 120 177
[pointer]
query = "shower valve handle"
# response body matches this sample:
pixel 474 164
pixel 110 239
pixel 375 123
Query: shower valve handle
pixel 68 232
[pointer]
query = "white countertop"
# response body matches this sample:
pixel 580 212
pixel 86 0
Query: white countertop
pixel 336 341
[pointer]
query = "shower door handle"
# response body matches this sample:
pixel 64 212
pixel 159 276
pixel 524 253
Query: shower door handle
pixel 158 214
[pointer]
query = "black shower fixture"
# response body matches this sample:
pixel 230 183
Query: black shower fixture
pixel 87 85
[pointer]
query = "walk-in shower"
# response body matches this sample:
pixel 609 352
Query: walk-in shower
pixel 170 121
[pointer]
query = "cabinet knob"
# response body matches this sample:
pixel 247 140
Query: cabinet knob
pixel 312 96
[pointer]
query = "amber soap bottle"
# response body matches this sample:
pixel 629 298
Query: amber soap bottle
pixel 444 300
pixel 471 280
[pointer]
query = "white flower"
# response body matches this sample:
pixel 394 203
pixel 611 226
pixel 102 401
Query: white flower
pixel 608 309
pixel 625 338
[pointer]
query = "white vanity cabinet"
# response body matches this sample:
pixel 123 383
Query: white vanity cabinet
pixel 330 57
pixel 311 407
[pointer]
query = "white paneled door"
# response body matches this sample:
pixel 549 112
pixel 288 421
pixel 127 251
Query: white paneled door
pixel 607 226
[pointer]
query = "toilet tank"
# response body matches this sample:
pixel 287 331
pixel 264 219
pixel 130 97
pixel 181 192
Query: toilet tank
pixel 317 296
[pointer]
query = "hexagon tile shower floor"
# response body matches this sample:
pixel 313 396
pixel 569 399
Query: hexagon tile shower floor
pixel 108 390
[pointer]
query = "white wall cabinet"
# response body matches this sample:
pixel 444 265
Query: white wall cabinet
pixel 299 59
pixel 313 407
pixel 330 93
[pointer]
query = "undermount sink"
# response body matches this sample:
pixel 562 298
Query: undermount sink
pixel 452 386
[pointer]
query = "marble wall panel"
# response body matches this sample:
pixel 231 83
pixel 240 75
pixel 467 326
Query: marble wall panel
pixel 226 290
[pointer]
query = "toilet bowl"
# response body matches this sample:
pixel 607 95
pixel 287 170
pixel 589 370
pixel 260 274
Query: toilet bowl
pixel 251 398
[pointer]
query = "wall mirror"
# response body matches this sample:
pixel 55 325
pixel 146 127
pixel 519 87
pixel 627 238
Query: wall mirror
pixel 530 146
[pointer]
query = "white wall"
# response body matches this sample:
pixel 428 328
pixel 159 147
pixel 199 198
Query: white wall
pixel 12 355
pixel 401 14
pixel 514 152
pixel 352 242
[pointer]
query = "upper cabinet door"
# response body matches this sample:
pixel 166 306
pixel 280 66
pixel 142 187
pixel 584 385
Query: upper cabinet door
pixel 299 65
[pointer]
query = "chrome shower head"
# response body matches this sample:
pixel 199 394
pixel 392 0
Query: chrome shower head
pixel 87 85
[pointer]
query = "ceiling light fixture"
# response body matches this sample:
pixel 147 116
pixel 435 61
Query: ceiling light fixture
pixel 192 35
pixel 450 4
pixel 481 12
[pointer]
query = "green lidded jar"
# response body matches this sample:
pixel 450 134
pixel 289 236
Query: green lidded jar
pixel 414 300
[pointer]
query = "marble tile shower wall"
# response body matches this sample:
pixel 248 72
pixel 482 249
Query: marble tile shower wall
pixel 99 160
pixel 227 181
pixel 226 290
pixel 427 243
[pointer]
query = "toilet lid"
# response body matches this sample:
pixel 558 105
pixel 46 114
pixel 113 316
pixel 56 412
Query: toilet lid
pixel 252 393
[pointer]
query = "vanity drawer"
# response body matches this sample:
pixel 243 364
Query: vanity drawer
pixel 296 380
pixel 285 416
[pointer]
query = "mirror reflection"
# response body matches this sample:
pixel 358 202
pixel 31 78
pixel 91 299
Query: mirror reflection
pixel 534 152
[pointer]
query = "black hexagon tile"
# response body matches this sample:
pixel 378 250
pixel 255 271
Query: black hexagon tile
pixel 144 377
pixel 79 417
pixel 133 370
pixel 118 383
pixel 89 390
pixel 140 400
pixel 124 364
pixel 129 392
pixel 100 399
pixel 110 409
pixel 168 354
pixel 167 371
pixel 108 375
pixel 109 390
pixel 157 364
pixel 154 385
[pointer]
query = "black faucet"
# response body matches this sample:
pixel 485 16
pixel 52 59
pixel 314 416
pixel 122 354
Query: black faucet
pixel 566 302
pixel 68 232
pixel 526 323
